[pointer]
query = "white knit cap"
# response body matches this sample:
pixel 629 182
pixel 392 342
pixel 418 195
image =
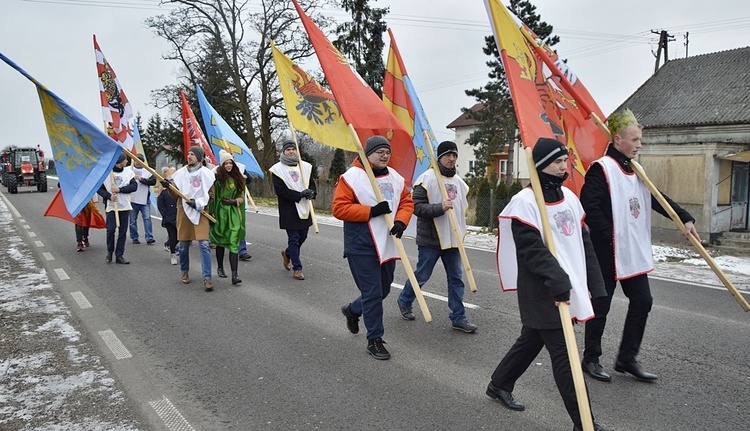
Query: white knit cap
pixel 224 156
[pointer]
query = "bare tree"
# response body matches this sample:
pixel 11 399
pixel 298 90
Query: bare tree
pixel 224 45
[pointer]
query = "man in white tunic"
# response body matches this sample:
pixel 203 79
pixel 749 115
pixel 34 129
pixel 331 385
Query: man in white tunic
pixel 543 281
pixel 618 211
pixel 116 192
pixel 141 203
pixel 435 237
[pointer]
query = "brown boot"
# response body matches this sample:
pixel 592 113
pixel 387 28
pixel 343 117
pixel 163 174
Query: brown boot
pixel 286 261
pixel 208 285
pixel 298 275
pixel 185 278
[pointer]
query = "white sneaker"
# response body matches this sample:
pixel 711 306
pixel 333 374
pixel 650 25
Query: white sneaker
pixel 173 259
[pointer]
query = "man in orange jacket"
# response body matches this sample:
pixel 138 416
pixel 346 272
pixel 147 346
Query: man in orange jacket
pixel 368 245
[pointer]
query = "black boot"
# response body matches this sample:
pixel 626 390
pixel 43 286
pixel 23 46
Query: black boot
pixel 220 272
pixel 235 278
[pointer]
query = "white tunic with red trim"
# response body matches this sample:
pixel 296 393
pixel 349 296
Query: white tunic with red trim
pixel 631 220
pixel 293 180
pixel 566 221
pixel 457 191
pixel 391 186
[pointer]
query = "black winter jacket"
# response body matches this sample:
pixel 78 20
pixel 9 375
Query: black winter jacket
pixel 287 198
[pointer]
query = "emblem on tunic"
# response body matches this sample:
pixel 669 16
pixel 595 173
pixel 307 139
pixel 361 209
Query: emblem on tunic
pixel 295 176
pixel 565 223
pixel 452 191
pixel 195 181
pixel 635 207
pixel 387 190
pixel 118 180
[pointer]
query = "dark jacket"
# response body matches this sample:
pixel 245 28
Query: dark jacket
pixel 597 202
pixel 130 188
pixel 167 208
pixel 425 211
pixel 287 198
pixel 541 279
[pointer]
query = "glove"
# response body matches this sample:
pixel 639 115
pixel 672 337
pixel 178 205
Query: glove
pixel 165 183
pixel 191 203
pixel 380 209
pixel 398 229
pixel 248 180
pixel 227 201
pixel 308 194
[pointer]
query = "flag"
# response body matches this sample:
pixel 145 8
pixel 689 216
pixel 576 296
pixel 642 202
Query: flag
pixel 310 107
pixel 84 155
pixel 546 104
pixel 222 137
pixel 401 98
pixel 89 215
pixel 360 105
pixel 116 108
pixel 192 133
pixel 137 142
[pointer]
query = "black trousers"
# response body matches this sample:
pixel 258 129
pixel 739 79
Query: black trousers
pixel 637 291
pixel 119 249
pixel 171 237
pixel 81 233
pixel 523 353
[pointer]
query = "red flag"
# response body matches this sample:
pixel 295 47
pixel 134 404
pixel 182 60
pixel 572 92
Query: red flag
pixel 89 215
pixel 549 103
pixel 192 133
pixel 359 105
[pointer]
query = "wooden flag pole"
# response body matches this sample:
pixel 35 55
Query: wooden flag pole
pixel 114 202
pixel 451 214
pixel 389 220
pixel 133 157
pixel 570 337
pixel 302 175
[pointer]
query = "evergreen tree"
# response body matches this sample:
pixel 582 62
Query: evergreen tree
pixel 361 40
pixel 498 118
pixel 338 165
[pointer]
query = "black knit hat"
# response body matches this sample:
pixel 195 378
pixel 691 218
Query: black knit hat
pixel 446 147
pixel 288 144
pixel 121 158
pixel 546 151
pixel 198 152
pixel 375 143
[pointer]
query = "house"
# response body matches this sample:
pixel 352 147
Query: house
pixel 463 127
pixel 695 114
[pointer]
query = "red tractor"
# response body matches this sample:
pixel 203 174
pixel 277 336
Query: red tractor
pixel 24 167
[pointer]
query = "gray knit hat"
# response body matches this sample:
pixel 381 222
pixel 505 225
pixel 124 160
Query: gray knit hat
pixel 198 151
pixel 375 143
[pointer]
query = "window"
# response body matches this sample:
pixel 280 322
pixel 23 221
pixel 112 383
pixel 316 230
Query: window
pixel 472 165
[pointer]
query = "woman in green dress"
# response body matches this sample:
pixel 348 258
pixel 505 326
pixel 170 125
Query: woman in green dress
pixel 228 207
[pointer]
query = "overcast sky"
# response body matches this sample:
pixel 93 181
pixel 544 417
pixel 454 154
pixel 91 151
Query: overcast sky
pixel 608 45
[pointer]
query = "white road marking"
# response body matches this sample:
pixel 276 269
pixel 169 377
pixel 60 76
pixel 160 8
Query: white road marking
pixel 172 417
pixel 81 300
pixel 114 344
pixel 61 274
pixel 32 234
pixel 438 297
pixel 25 226
pixel 47 255
pixel 39 243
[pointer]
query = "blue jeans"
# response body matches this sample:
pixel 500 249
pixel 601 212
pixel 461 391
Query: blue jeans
pixel 117 246
pixel 184 251
pixel 295 239
pixel 145 211
pixel 243 248
pixel 453 270
pixel 374 283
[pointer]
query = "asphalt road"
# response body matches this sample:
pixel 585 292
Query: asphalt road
pixel 274 353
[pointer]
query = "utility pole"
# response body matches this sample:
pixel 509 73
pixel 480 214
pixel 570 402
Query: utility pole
pixel 687 42
pixel 664 40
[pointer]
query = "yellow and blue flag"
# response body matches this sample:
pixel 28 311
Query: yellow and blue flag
pixel 222 137
pixel 83 153
pixel 401 98
pixel 137 142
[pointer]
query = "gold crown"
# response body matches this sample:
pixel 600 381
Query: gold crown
pixel 620 120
